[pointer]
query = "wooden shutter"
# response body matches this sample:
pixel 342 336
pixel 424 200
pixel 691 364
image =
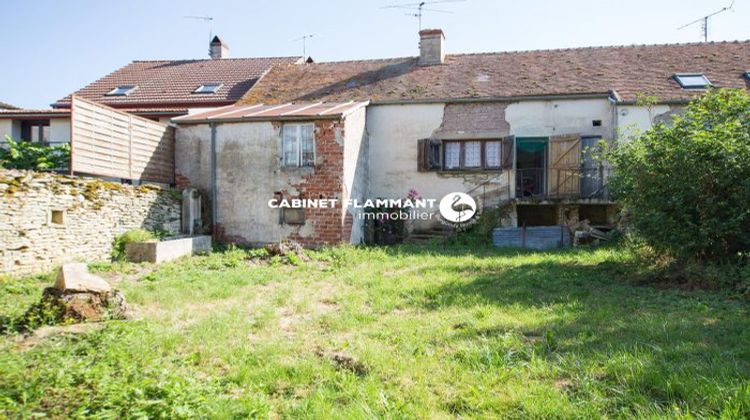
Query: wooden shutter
pixel 507 153
pixel 563 179
pixel 428 155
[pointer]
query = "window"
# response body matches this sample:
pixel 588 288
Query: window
pixel 472 154
pixel 747 75
pixel 298 145
pixel 208 88
pixel 123 90
pixel 292 216
pixel 57 217
pixel 692 80
pixel 35 131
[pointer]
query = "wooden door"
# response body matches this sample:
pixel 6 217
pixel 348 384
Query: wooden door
pixel 563 175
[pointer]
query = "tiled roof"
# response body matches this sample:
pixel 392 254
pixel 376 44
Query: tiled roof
pixel 163 84
pixel 262 112
pixel 628 70
pixel 3 105
pixel 35 113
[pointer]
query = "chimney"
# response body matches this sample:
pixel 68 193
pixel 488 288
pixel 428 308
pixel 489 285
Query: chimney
pixel 218 49
pixel 431 50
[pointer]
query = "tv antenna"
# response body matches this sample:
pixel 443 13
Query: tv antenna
pixel 705 19
pixel 210 21
pixel 304 39
pixel 418 9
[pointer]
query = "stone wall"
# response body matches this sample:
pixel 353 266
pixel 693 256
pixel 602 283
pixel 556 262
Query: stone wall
pixel 48 219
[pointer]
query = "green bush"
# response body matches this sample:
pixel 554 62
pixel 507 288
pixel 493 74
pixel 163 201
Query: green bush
pixel 686 186
pixel 27 155
pixel 135 235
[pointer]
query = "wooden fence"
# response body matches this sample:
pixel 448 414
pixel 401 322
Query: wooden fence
pixel 108 142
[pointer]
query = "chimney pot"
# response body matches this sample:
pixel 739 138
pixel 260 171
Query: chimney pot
pixel 431 50
pixel 218 49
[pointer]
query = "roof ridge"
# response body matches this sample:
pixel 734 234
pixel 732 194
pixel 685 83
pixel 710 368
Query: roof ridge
pixel 602 47
pixel 365 60
pixel 296 57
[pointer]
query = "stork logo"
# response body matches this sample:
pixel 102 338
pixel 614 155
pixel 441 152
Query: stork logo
pixel 458 208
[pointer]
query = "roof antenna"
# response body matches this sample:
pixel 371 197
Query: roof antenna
pixel 419 9
pixel 304 39
pixel 210 21
pixel 704 20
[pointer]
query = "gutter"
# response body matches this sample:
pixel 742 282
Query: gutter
pixel 591 95
pixel 214 172
pixel 259 119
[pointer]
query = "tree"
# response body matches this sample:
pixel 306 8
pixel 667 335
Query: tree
pixel 27 155
pixel 686 186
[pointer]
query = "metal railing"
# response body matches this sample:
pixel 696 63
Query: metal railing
pixel 570 183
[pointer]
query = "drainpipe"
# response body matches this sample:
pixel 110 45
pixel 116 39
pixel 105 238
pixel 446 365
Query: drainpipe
pixel 214 171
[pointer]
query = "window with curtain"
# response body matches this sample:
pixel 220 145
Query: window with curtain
pixel 472 154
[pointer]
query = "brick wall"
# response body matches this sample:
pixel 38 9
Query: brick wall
pixel 324 226
pixel 47 219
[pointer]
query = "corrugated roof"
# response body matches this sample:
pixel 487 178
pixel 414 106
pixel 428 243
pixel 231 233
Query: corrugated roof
pixel 628 70
pixel 165 84
pixel 261 112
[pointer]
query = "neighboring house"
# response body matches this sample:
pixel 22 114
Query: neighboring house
pixel 158 90
pixel 510 128
pixel 3 105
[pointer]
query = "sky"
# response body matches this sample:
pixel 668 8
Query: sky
pixel 54 47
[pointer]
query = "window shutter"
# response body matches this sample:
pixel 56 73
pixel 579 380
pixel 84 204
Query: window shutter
pixel 507 154
pixel 434 157
pixel 428 155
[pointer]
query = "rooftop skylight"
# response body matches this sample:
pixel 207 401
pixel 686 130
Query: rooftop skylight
pixel 747 74
pixel 692 80
pixel 208 88
pixel 123 90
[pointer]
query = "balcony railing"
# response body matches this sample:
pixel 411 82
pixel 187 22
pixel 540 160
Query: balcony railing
pixel 576 183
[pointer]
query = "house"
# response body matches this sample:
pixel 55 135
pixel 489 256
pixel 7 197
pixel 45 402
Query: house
pixel 158 90
pixel 513 129
pixel 3 105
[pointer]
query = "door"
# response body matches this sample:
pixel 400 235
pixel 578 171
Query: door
pixel 591 170
pixel 563 179
pixel 531 164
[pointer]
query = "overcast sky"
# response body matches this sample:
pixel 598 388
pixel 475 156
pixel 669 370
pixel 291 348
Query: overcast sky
pixel 53 48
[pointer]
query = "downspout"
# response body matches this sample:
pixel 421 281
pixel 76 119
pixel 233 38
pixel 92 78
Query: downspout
pixel 214 172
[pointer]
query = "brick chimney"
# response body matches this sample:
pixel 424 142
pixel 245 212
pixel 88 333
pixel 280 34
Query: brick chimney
pixel 218 49
pixel 431 50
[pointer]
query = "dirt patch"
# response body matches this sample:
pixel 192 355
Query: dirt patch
pixel 42 334
pixel 344 361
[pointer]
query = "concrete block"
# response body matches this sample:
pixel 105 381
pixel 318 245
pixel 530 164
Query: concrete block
pixel 170 249
pixel 75 277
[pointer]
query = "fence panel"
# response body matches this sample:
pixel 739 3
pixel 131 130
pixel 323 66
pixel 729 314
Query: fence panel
pixel 108 142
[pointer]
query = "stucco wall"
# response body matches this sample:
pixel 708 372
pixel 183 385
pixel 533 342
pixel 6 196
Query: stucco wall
pixel 92 213
pixel 633 120
pixel 356 169
pixel 250 173
pixel 59 130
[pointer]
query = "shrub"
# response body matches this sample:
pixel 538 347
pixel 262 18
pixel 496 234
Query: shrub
pixel 135 235
pixel 686 186
pixel 27 155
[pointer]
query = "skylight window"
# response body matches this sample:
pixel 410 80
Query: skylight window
pixel 123 90
pixel 747 75
pixel 208 88
pixel 692 80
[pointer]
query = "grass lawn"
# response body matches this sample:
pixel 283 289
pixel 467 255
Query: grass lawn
pixel 391 332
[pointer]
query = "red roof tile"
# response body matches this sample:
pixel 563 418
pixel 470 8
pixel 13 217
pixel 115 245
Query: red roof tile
pixel 628 70
pixel 162 84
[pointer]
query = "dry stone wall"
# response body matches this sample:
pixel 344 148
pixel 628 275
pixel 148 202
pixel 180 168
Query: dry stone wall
pixel 48 219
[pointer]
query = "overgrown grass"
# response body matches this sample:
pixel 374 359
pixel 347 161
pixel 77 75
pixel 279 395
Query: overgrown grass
pixel 391 332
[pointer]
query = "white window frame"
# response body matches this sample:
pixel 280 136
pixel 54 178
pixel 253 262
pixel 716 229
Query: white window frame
pixel 203 89
pixel 298 129
pixel 122 90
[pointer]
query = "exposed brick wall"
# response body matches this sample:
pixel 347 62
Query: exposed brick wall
pixel 324 226
pixel 475 117
pixel 181 181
